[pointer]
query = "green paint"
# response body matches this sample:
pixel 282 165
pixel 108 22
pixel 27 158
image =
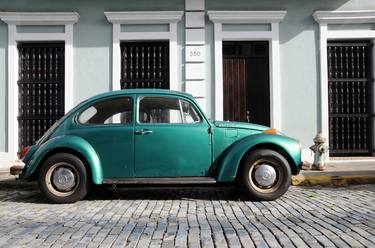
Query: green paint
pixel 234 154
pixel 59 142
pixel 171 150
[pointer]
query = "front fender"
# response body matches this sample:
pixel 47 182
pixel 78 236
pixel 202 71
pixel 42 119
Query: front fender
pixel 231 159
pixel 66 142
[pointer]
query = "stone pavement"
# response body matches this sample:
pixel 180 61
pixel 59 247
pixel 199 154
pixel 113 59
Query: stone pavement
pixel 187 216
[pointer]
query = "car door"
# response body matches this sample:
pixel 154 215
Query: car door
pixel 171 138
pixel 108 126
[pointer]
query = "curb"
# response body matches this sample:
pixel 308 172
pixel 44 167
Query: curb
pixel 332 180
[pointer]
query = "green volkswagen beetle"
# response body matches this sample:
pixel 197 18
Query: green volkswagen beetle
pixel 149 136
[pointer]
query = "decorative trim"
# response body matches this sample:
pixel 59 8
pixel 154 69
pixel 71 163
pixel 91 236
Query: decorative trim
pixel 272 36
pixel 143 17
pixel 324 18
pixel 39 18
pixel 344 17
pixel 27 18
pixel 246 16
pixel 195 55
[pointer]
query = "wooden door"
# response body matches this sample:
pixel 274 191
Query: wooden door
pixel 246 82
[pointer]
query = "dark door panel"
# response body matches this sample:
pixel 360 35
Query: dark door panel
pixel 41 89
pixel 246 81
pixel 350 94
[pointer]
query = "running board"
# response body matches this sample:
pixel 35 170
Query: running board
pixel 161 180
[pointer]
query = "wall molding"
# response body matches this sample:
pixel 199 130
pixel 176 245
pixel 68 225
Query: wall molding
pixel 195 51
pixel 249 17
pixel 39 18
pixel 144 17
pixel 43 19
pixel 325 18
pixel 242 17
pixel 344 17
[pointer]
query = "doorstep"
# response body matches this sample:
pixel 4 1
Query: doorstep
pixel 339 173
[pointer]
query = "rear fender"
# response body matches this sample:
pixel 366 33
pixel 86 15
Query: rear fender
pixel 232 157
pixel 69 142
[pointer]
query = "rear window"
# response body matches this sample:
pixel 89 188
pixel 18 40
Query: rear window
pixel 111 111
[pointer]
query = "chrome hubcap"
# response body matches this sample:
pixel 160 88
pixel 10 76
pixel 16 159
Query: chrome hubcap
pixel 265 175
pixel 63 179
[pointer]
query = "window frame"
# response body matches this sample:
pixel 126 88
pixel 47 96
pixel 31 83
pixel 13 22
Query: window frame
pixel 90 104
pixel 197 110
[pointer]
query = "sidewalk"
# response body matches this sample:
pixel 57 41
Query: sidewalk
pixel 338 173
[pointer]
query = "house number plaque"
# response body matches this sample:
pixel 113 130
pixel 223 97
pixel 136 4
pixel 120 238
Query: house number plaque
pixel 194 53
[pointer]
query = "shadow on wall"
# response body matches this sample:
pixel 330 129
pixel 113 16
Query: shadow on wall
pixel 3 87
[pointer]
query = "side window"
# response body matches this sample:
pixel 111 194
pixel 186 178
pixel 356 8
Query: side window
pixel 189 113
pixel 112 111
pixel 159 110
pixel 166 110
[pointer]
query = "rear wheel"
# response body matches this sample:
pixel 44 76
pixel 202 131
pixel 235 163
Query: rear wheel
pixel 265 175
pixel 63 178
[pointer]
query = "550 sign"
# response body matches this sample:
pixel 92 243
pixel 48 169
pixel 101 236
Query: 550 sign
pixel 194 53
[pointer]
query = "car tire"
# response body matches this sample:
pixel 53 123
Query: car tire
pixel 63 178
pixel 265 175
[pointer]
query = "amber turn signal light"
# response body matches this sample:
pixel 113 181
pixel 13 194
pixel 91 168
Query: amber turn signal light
pixel 271 131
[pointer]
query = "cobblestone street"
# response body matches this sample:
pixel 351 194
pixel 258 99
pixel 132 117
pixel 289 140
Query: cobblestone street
pixel 193 217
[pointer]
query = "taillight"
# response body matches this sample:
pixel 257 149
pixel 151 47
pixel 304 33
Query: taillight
pixel 23 153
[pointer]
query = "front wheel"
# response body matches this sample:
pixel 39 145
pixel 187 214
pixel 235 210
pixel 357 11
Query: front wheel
pixel 63 178
pixel 265 175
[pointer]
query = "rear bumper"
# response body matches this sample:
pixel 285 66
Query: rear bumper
pixel 17 168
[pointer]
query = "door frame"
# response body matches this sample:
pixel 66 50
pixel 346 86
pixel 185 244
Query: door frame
pixel 118 18
pixel 14 19
pixel 269 18
pixel 325 19
pixel 247 83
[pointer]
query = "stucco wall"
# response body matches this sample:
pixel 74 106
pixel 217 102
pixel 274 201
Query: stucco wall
pixel 92 44
pixel 93 39
pixel 299 55
pixel 3 87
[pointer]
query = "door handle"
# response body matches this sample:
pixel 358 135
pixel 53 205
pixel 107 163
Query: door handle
pixel 143 131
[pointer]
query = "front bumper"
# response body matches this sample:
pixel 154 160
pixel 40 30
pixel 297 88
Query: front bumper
pixel 17 168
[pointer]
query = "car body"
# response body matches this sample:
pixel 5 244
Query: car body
pixel 154 136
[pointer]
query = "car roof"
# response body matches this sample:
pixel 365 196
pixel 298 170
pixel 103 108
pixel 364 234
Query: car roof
pixel 140 91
